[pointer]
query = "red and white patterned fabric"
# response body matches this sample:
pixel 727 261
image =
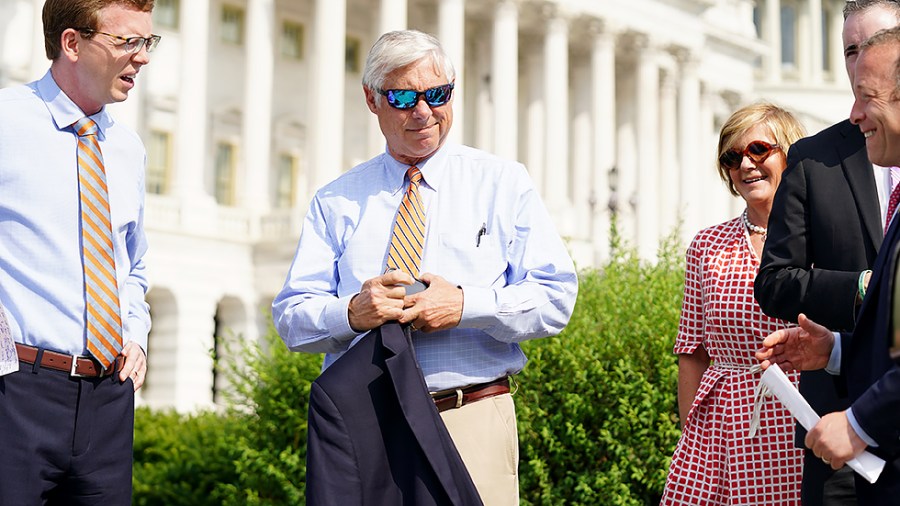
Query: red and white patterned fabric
pixel 715 462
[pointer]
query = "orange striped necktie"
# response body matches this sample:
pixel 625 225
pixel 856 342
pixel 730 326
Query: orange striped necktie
pixel 408 237
pixel 103 320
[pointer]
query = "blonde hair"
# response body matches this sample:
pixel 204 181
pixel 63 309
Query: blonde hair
pixel 780 123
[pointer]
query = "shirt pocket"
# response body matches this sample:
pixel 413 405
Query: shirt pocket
pixel 467 260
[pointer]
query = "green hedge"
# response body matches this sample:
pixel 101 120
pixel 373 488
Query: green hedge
pixel 596 408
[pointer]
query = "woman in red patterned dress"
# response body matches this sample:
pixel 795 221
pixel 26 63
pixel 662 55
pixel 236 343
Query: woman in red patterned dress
pixel 723 457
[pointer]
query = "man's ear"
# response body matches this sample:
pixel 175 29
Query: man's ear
pixel 69 44
pixel 371 96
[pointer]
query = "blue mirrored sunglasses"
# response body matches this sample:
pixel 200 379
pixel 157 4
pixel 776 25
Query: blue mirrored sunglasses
pixel 407 99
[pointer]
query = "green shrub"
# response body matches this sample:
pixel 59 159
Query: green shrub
pixel 597 408
pixel 254 453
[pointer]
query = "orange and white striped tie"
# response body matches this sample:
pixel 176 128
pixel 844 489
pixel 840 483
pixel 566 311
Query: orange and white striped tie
pixel 408 237
pixel 103 320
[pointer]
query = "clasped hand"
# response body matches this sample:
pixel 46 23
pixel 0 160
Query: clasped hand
pixel 383 299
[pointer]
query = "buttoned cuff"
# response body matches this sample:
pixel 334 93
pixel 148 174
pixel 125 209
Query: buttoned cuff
pixel 337 319
pixel 479 307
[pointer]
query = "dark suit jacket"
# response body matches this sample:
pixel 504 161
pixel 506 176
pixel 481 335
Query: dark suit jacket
pixel 873 380
pixel 375 436
pixel 825 214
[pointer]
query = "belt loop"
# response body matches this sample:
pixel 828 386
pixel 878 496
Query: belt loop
pixel 36 366
pixel 459 398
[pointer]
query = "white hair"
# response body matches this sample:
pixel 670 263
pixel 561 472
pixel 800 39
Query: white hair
pixel 400 48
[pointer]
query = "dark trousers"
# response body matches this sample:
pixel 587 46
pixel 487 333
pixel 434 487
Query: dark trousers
pixel 823 486
pixel 65 441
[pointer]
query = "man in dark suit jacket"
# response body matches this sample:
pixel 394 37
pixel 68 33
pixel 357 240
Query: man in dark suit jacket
pixel 824 232
pixel 863 358
pixel 375 435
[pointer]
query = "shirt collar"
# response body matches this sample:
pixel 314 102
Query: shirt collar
pixel 432 169
pixel 63 109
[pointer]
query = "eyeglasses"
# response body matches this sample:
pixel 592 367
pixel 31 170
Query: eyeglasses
pixel 130 44
pixel 756 151
pixel 407 99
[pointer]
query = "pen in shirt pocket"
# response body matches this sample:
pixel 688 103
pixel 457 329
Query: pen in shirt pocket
pixel 481 232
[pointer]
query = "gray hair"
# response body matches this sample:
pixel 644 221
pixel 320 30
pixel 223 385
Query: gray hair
pixel 400 48
pixel 853 6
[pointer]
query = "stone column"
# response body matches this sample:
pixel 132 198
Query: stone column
pixel 647 123
pixel 836 43
pixel 192 371
pixel 814 8
pixel 505 79
pixel 392 15
pixel 257 117
pixel 39 61
pixel 556 113
pixel 191 143
pixel 452 34
pixel 603 115
pixel 535 118
pixel 326 135
pixel 668 166
pixel 688 140
pixel 772 35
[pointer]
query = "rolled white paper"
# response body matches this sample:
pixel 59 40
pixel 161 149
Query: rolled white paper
pixel 867 465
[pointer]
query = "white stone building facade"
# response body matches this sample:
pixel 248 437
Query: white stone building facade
pixel 248 106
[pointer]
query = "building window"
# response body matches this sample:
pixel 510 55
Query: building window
pixel 158 162
pixel 165 14
pixel 788 37
pixel 292 40
pixel 224 176
pixel 232 24
pixel 352 54
pixel 284 182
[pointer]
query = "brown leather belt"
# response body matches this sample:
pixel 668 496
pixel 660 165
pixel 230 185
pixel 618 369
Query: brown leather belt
pixel 78 367
pixel 459 397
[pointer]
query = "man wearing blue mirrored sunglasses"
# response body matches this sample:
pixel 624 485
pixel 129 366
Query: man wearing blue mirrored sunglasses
pixel 456 246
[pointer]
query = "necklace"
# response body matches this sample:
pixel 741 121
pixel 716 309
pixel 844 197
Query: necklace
pixel 756 229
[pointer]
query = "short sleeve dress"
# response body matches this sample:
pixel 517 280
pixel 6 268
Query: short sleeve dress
pixel 716 461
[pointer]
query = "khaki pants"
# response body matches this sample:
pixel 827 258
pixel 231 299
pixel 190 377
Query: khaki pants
pixel 485 434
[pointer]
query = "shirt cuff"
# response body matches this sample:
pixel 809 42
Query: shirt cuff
pixel 859 432
pixel 834 361
pixel 479 307
pixel 337 319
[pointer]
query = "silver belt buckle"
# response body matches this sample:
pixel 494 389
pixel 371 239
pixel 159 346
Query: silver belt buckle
pixel 72 372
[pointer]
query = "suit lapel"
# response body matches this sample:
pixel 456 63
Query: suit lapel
pixel 859 173
pixel 423 418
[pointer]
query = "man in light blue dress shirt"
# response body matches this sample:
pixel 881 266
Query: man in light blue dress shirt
pixel 497 272
pixel 66 420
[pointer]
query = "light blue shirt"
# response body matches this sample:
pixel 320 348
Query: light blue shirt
pixel 41 274
pixel 518 280
pixel 834 368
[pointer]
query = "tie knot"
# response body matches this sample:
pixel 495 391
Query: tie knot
pixel 415 175
pixel 85 126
